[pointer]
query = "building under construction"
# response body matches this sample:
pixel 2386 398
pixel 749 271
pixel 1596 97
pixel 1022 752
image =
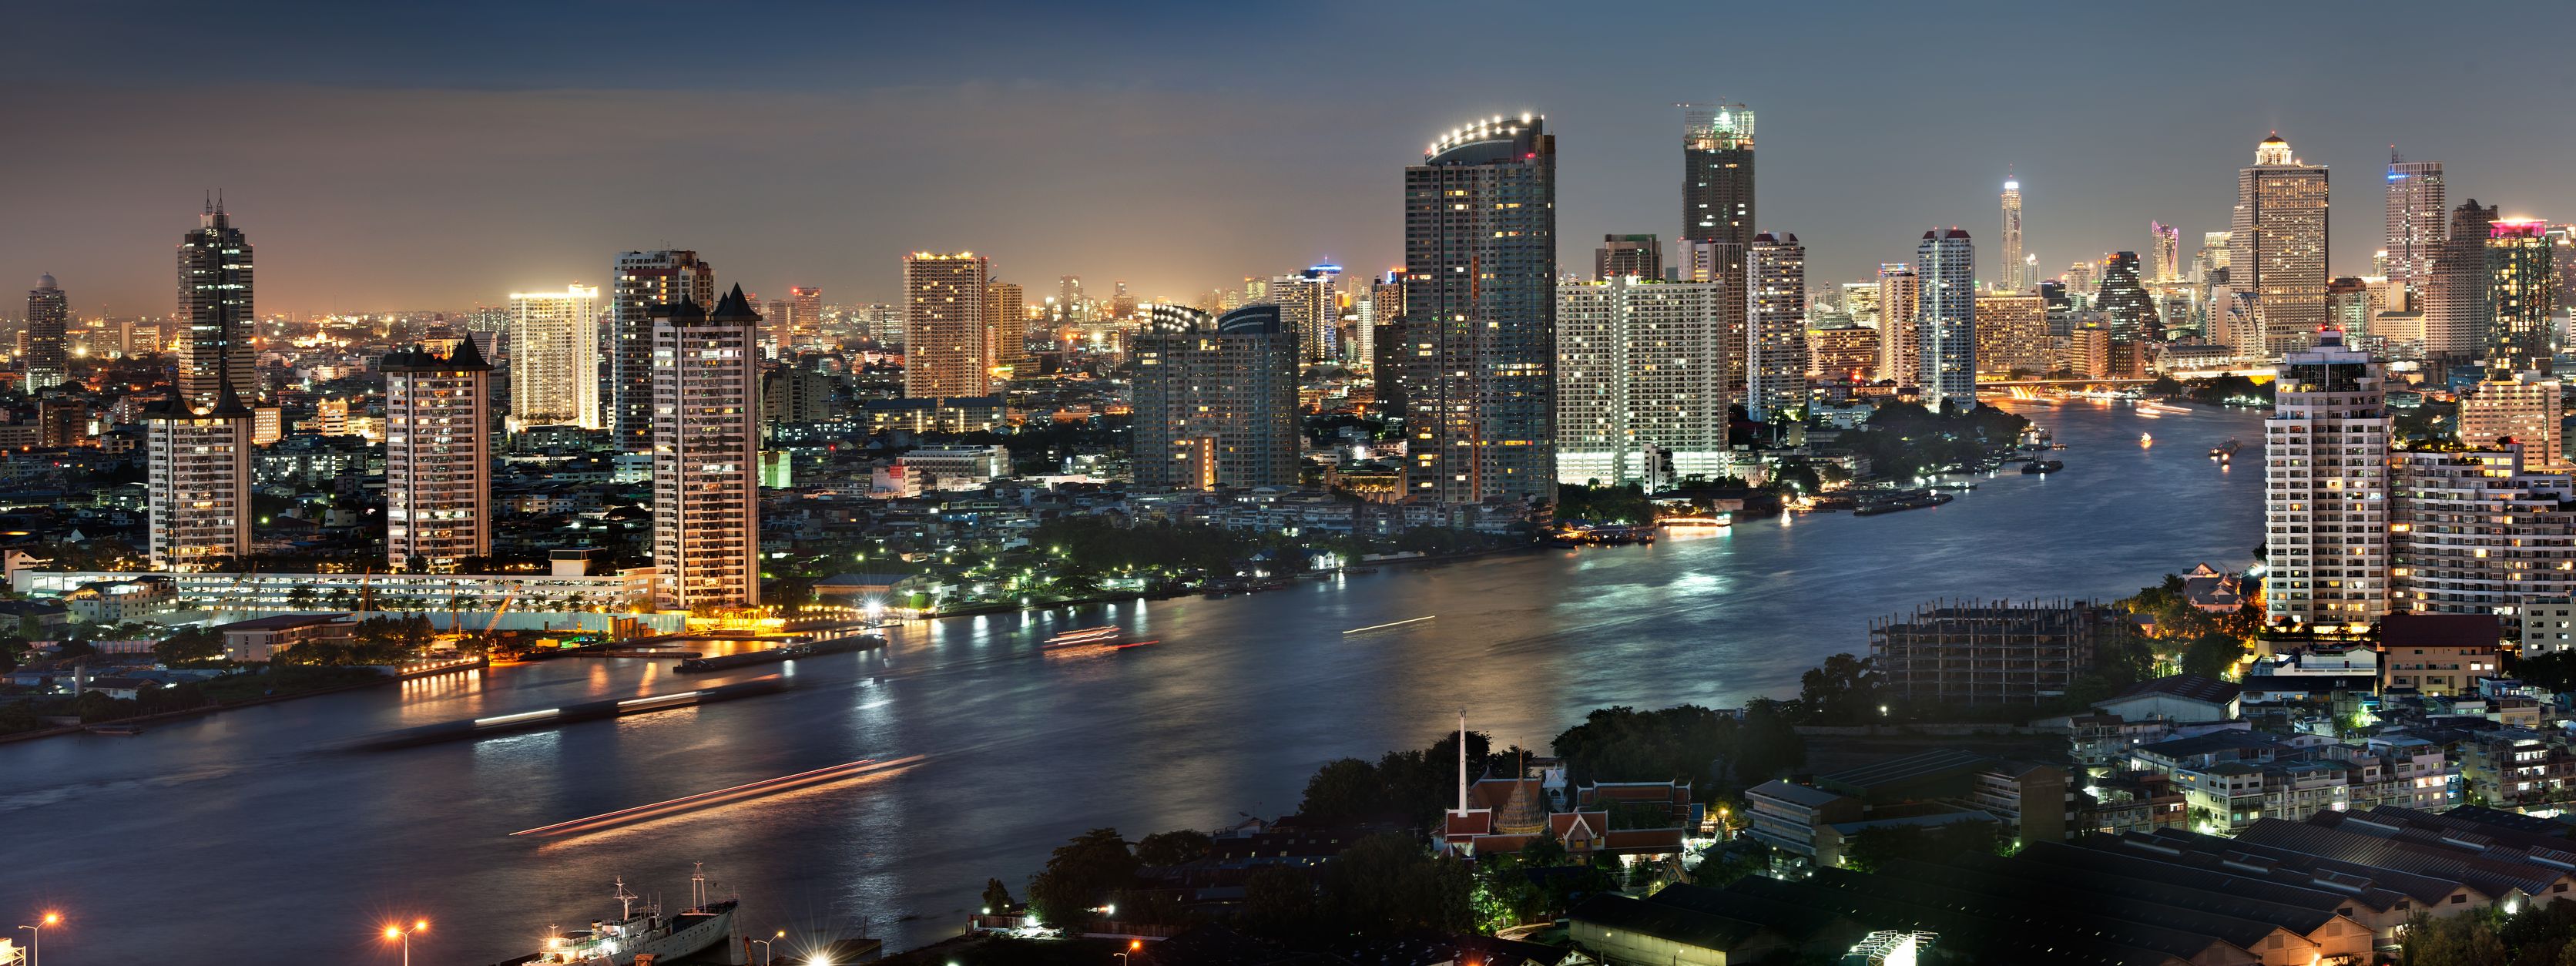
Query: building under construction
pixel 1999 653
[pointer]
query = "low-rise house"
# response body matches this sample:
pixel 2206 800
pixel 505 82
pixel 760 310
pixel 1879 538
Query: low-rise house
pixel 2182 698
pixel 262 638
pixel 121 601
pixel 2438 654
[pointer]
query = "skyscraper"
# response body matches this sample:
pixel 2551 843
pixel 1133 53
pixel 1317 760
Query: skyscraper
pixel 197 466
pixel 1900 347
pixel 1216 403
pixel 2416 225
pixel 554 353
pixel 805 310
pixel 642 280
pixel 1386 305
pixel 1639 380
pixel 2521 291
pixel 1006 326
pixel 2167 248
pixel 1619 255
pixel 944 354
pixel 1717 174
pixel 1775 335
pixel 2130 313
pixel 2325 454
pixel 1480 313
pixel 2455 317
pixel 1724 263
pixel 1945 270
pixel 2012 277
pixel 1308 304
pixel 215 305
pixel 2517 406
pixel 2279 247
pixel 48 363
pixel 438 457
pixel 2012 333
pixel 706 452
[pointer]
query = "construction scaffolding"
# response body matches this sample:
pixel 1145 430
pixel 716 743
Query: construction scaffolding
pixel 1955 652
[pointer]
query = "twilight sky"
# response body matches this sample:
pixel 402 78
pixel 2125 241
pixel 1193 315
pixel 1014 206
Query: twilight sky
pixel 437 155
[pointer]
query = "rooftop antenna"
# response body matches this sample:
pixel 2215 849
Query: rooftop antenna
pixel 625 899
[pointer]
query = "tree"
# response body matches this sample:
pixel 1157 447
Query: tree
pixel 1278 901
pixel 1389 883
pixel 1081 876
pixel 2212 655
pixel 1766 744
pixel 75 649
pixel 997 897
pixel 1344 789
pixel 189 646
pixel 1176 847
pixel 1843 690
pixel 1871 849
pixel 2450 941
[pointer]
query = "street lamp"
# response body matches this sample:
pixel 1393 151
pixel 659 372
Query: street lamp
pixel 764 946
pixel 36 947
pixel 394 932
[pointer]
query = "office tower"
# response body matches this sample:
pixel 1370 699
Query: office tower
pixel 1860 301
pixel 793 395
pixel 1775 334
pixel 438 457
pixel 1006 326
pixel 1068 298
pixel 1842 352
pixel 2325 455
pixel 2131 314
pixel 2477 532
pixel 2278 243
pixel 805 309
pixel 706 451
pixel 1628 255
pixel 48 362
pixel 1216 403
pixel 643 280
pixel 1386 300
pixel 2521 407
pixel 1900 345
pixel 2455 317
pixel 1307 304
pixel 1639 381
pixel 2217 252
pixel 774 336
pixel 2350 307
pixel 198 470
pixel 2012 334
pixel 2088 352
pixel 2167 248
pixel 1724 263
pixel 1945 318
pixel 2416 225
pixel 943 320
pixel 1122 306
pixel 1480 311
pixel 554 351
pixel 2061 310
pixel 2521 291
pixel 1717 174
pixel 2013 279
pixel 215 305
pixel 2082 278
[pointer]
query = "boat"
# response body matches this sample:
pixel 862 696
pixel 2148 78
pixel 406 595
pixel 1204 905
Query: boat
pixel 2145 439
pixel 2042 467
pixel 640 932
pixel 116 729
pixel 2224 450
pixel 1902 500
pixel 1085 637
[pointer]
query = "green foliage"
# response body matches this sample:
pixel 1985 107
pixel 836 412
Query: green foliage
pixel 1279 901
pixel 1843 690
pixel 1390 883
pixel 1766 744
pixel 1604 504
pixel 2229 387
pixel 997 897
pixel 75 649
pixel 1082 875
pixel 190 646
pixel 1404 786
pixel 1871 849
pixel 2450 941
pixel 2213 654
pixel 1176 847
pixel 1904 440
pixel 1624 744
pixel 2555 671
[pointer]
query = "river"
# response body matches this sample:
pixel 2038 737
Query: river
pixel 239 838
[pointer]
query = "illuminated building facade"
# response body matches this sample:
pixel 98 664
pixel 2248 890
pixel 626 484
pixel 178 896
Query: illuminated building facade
pixel 643 280
pixel 2521 291
pixel 1724 263
pixel 554 358
pixel 1006 326
pixel 2012 333
pixel 1308 305
pixel 438 457
pixel 2279 248
pixel 1945 318
pixel 804 310
pixel 1717 175
pixel 706 452
pixel 215 305
pixel 1480 314
pixel 1900 348
pixel 48 361
pixel 2520 407
pixel 1216 403
pixel 2417 226
pixel 1628 255
pixel 2012 277
pixel 944 352
pixel 1639 379
pixel 2131 313
pixel 2455 316
pixel 2473 533
pixel 2325 475
pixel 197 468
pixel 1775 334
pixel 2165 242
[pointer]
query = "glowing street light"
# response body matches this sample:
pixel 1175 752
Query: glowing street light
pixel 764 946
pixel 394 932
pixel 36 947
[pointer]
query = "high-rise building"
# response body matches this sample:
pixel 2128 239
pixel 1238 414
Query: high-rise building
pixel 2477 532
pixel 2012 333
pixel 1307 304
pixel 1860 301
pixel 2455 317
pixel 197 465
pixel 2082 278
pixel 944 354
pixel 643 280
pixel 1619 255
pixel 1480 313
pixel 1945 318
pixel 2279 242
pixel 805 309
pixel 1639 380
pixel 2131 314
pixel 438 457
pixel 1841 352
pixel 1775 334
pixel 706 452
pixel 215 306
pixel 1386 301
pixel 775 336
pixel 2012 266
pixel 1122 305
pixel 1068 299
pixel 1724 263
pixel 2517 407
pixel 1717 174
pixel 2350 306
pixel 2416 225
pixel 48 361
pixel 1006 326
pixel 2325 457
pixel 1900 345
pixel 554 354
pixel 1216 403
pixel 2521 292
pixel 2167 249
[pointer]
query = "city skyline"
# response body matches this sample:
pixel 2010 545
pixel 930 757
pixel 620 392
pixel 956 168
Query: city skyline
pixel 1139 137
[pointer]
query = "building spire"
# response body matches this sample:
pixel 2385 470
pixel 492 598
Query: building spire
pixel 1462 761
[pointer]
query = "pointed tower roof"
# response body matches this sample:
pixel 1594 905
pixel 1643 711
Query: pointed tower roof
pixel 228 403
pixel 1521 814
pixel 684 311
pixel 733 307
pixel 467 355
